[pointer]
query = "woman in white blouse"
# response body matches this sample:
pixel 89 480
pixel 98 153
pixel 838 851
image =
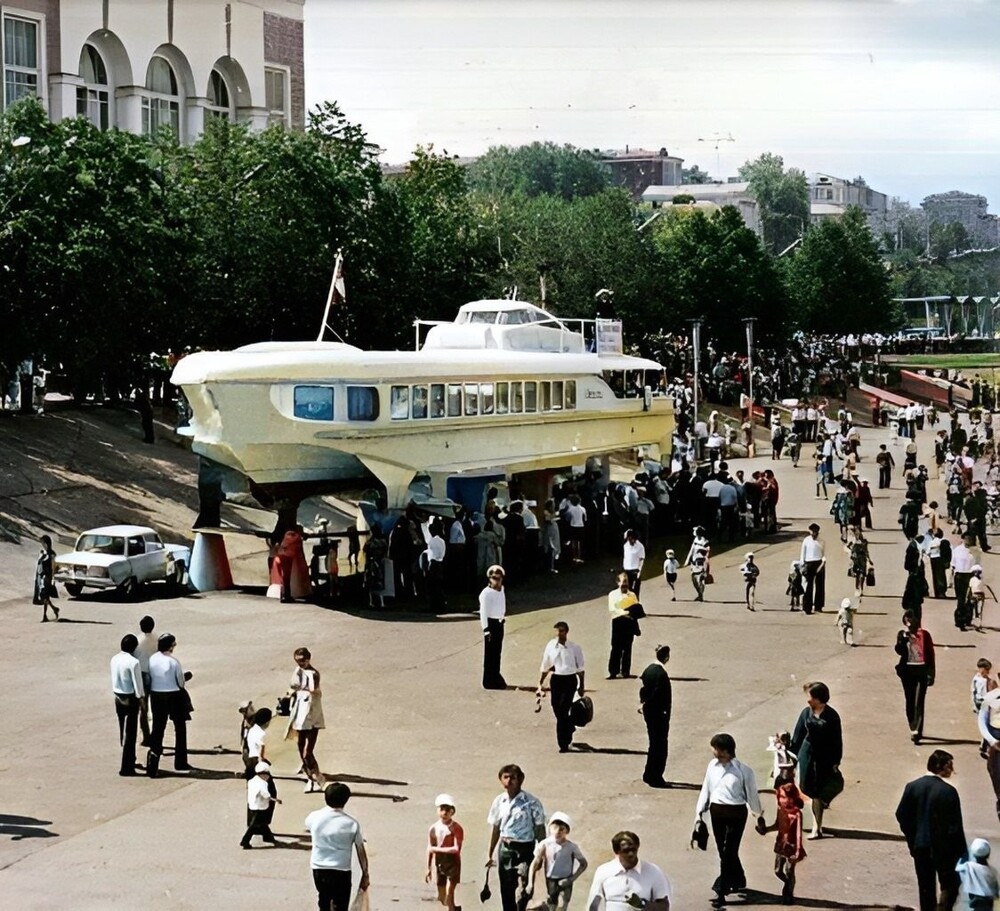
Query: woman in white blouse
pixel 307 716
pixel 729 789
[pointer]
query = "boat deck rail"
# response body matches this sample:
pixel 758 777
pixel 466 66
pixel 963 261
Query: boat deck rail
pixel 576 336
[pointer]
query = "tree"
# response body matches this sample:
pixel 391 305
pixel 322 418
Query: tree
pixel 715 268
pixel 537 169
pixel 837 280
pixel 946 239
pixel 902 227
pixel 694 174
pixel 783 197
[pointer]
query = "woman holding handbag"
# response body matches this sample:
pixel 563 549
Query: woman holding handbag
pixel 44 586
pixel 818 741
pixel 862 567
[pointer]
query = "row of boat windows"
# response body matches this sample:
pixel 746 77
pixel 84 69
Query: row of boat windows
pixel 438 400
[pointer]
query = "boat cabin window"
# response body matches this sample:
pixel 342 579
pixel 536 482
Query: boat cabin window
pixel 471 398
pixel 437 400
pixel 362 403
pixel 486 398
pixel 454 400
pixel 515 317
pixel 399 403
pixel 530 396
pixel 503 398
pixel 557 395
pixel 481 316
pixel 570 396
pixel 616 382
pixel 419 402
pixel 516 398
pixel 313 403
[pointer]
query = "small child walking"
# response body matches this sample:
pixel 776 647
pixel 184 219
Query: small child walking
pixel 259 802
pixel 982 683
pixel 444 851
pixel 751 572
pixel 670 567
pixel 563 862
pixel 845 621
pixel 788 850
pixel 978 878
pixel 795 588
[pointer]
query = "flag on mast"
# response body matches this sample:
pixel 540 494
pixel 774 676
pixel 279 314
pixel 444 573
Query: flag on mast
pixel 337 295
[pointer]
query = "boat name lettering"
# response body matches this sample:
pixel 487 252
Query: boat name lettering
pixel 595 394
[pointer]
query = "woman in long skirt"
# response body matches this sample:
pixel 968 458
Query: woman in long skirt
pixel 307 717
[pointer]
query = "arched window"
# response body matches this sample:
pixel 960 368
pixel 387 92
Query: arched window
pixel 219 103
pixel 93 100
pixel 161 104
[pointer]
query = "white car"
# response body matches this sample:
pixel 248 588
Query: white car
pixel 123 557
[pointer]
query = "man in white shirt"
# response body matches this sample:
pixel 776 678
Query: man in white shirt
pixel 335 836
pixel 633 556
pixel 144 651
pixel 168 699
pixel 433 561
pixel 814 571
pixel 564 661
pixel 730 787
pixel 126 684
pixel 576 519
pixel 492 612
pixel 626 883
pixel 962 561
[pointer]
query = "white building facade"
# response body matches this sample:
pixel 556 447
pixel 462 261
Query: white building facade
pixel 143 64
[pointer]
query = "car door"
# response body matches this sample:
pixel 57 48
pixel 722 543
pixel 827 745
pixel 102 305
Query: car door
pixel 157 557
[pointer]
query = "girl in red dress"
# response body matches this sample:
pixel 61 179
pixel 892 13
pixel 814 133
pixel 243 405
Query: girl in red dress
pixel 788 850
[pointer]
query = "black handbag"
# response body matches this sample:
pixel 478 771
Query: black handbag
pixel 581 713
pixel 870 577
pixel 699 837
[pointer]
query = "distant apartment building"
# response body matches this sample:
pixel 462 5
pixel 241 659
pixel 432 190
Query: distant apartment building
pixel 969 210
pixel 830 197
pixel 710 196
pixel 637 169
pixel 143 64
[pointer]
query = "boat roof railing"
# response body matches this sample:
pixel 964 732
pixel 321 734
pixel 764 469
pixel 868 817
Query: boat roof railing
pixel 577 336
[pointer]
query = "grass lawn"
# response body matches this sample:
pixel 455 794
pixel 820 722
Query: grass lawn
pixel 983 360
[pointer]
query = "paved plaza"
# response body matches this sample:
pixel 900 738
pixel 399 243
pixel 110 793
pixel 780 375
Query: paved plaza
pixel 406 719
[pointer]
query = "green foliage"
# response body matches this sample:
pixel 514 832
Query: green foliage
pixel 694 174
pixel 837 280
pixel 946 239
pixel 714 267
pixel 542 168
pixel 682 199
pixel 783 197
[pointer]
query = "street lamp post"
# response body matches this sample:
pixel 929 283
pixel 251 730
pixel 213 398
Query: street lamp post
pixel 748 322
pixel 696 345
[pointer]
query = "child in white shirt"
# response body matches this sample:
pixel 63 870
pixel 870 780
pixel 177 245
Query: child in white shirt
pixel 982 683
pixel 978 878
pixel 670 567
pixel 750 571
pixel 259 802
pixel 563 861
pixel 845 621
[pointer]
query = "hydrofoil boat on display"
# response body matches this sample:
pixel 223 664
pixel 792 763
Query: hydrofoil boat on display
pixel 506 387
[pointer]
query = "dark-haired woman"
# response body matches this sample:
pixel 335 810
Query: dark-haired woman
pixel 44 586
pixel 818 741
pixel 307 717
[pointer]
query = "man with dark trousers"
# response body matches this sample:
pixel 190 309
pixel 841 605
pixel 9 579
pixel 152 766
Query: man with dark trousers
pixel 656 698
pixel 564 661
pixel 517 821
pixel 930 816
pixel 492 614
pixel 126 684
pixel 169 702
pixel 813 559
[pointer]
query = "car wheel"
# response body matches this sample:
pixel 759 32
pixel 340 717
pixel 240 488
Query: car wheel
pixel 176 581
pixel 73 589
pixel 129 589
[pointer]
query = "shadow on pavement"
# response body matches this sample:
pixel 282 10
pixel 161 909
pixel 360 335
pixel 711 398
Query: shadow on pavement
pixel 21 827
pixel 755 897
pixel 582 747
pixel 864 835
pixel 94 622
pixel 930 738
pixel 200 774
pixel 360 779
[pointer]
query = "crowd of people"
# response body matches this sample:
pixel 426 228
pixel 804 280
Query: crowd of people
pixel 531 850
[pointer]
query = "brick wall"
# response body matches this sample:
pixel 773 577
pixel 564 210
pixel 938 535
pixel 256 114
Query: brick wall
pixel 283 44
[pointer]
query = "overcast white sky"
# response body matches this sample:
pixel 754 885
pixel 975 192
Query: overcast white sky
pixel 903 92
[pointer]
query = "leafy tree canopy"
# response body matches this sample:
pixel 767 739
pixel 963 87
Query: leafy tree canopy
pixel 542 168
pixel 783 197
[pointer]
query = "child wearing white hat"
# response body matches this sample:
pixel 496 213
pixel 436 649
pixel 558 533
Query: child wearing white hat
pixel 845 621
pixel 751 572
pixel 670 567
pixel 563 861
pixel 444 851
pixel 978 878
pixel 259 802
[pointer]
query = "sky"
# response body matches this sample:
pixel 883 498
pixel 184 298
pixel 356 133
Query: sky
pixel 905 93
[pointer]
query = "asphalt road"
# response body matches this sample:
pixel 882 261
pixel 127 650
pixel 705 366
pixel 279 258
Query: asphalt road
pixel 407 719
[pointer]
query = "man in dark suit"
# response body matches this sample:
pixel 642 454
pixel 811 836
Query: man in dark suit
pixel 930 816
pixel 656 698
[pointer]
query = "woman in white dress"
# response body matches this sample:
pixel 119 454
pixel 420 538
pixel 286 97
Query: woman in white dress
pixel 307 716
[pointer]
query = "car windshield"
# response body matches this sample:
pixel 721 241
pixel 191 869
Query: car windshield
pixel 101 544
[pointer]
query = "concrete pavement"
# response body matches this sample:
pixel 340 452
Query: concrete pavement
pixel 407 719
